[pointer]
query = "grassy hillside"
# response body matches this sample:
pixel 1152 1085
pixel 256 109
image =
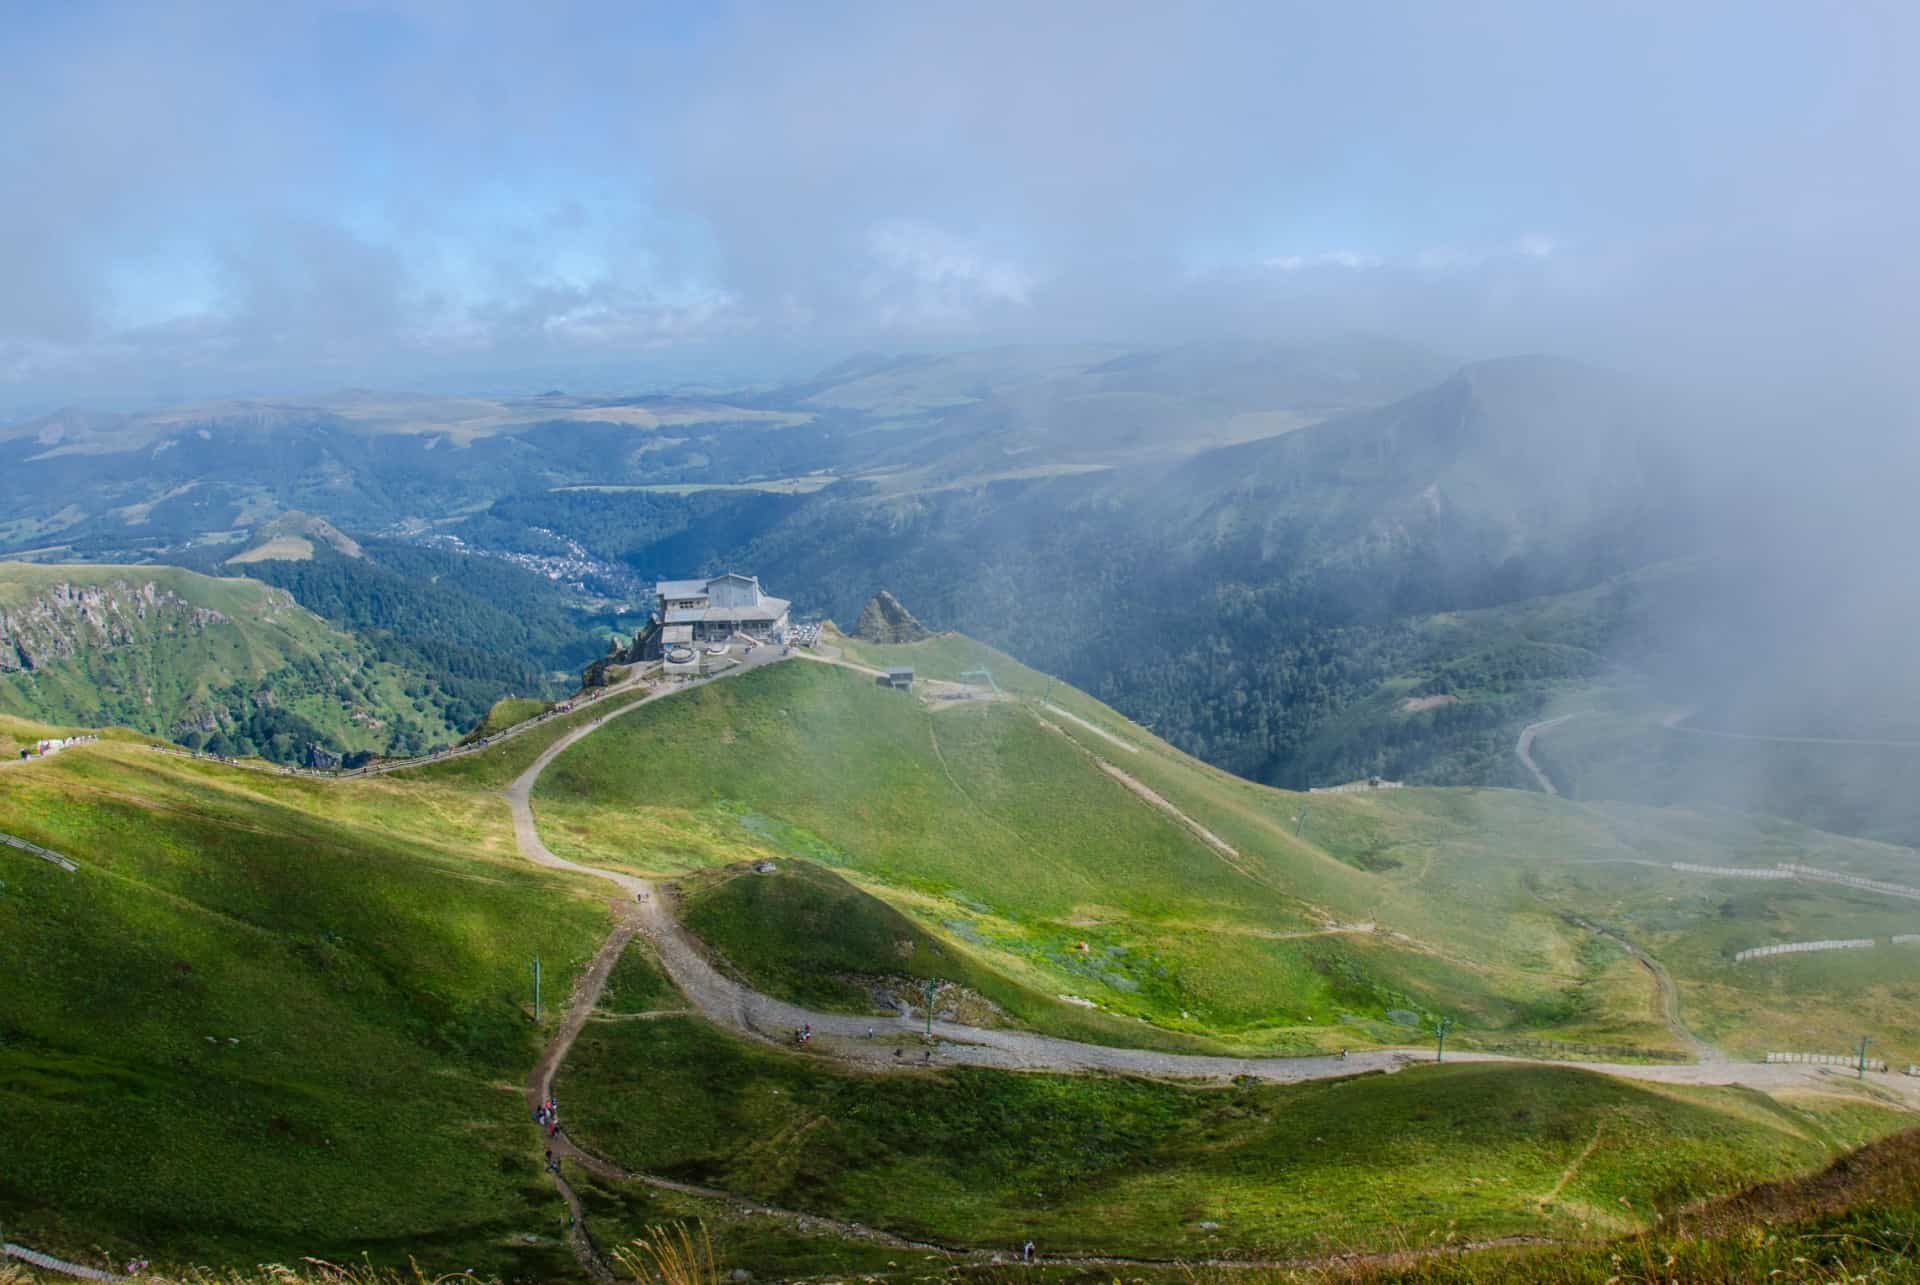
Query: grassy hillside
pixel 1119 1166
pixel 367 945
pixel 803 933
pixel 506 712
pixel 227 663
pixel 271 1016
pixel 1312 921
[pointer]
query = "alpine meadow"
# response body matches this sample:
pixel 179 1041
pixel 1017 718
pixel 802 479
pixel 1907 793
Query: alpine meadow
pixel 710 644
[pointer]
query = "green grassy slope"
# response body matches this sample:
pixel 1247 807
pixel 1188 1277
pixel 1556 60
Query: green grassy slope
pixel 504 713
pixel 1119 1166
pixel 271 1017
pixel 366 943
pixel 807 935
pixel 178 654
pixel 1336 920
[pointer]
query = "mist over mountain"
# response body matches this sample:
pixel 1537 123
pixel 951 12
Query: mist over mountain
pixel 1303 561
pixel 1262 639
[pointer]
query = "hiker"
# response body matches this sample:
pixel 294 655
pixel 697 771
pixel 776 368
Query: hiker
pixel 927 1056
pixel 870 1032
pixel 898 1052
pixel 1026 1252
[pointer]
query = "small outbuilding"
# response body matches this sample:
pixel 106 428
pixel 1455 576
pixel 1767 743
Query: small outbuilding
pixel 899 679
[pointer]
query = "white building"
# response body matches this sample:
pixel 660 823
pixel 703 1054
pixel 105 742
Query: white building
pixel 716 609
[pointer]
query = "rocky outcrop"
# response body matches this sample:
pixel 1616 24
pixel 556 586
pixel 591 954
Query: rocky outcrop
pixel 68 619
pixel 598 673
pixel 884 620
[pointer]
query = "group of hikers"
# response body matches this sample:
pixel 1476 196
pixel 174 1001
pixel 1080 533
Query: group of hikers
pixel 548 1113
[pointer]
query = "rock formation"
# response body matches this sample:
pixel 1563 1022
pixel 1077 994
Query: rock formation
pixel 884 620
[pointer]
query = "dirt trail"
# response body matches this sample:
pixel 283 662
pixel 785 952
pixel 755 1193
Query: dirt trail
pixel 636 679
pixel 1153 797
pixel 843 1037
pixel 1097 730
pixel 1667 994
pixel 730 1004
pixel 1573 1167
pixel 565 1150
pixel 1671 723
pixel 1524 748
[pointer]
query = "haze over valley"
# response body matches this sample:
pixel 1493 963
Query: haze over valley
pixel 1259 644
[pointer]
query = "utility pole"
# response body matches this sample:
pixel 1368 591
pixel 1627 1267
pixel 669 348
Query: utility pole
pixel 536 988
pixel 1864 1041
pixel 929 987
pixel 1440 1028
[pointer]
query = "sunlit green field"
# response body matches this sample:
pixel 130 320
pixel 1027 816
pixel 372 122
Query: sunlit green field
pixel 1124 1166
pixel 271 1016
pixel 1334 920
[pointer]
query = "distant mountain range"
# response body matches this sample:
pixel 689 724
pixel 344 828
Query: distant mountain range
pixel 1305 562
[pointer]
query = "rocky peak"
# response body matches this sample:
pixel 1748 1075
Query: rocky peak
pixel 884 620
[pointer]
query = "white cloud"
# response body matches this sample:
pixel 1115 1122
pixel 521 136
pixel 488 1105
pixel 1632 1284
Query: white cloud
pixel 921 275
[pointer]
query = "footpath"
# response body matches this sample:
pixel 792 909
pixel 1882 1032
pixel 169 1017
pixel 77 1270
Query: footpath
pixel 728 1003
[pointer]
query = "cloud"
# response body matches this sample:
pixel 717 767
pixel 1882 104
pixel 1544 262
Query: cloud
pixel 414 187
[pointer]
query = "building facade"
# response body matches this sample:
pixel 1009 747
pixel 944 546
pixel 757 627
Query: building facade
pixel 715 610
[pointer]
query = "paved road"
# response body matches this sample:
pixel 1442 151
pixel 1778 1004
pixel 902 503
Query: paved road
pixel 728 1003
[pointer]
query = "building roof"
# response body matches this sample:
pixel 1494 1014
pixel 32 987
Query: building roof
pixel 676 634
pixel 681 588
pixel 765 609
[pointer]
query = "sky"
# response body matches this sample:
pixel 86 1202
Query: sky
pixel 207 199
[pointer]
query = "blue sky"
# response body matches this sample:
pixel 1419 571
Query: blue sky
pixel 209 198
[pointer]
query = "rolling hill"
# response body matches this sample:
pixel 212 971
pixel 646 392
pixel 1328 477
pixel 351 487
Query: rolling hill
pixel 367 941
pixel 1103 875
pixel 230 664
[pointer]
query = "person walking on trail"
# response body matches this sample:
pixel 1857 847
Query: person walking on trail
pixel 1026 1252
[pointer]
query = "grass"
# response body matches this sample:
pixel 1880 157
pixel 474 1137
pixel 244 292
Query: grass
pixel 974 822
pixel 807 935
pixel 508 711
pixel 291 548
pixel 993 830
pixel 1122 1166
pixel 497 766
pixel 270 1013
pixel 366 943
pixel 197 654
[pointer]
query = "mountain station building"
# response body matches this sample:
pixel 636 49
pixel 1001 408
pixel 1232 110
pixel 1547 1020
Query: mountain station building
pixel 714 610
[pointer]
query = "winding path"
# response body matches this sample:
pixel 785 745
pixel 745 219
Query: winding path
pixel 727 1003
pixel 1524 748
pixel 1671 723
pixel 843 1037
